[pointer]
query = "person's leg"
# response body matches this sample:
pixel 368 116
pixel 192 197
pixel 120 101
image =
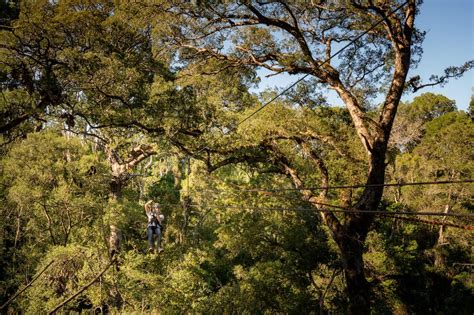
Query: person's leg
pixel 149 233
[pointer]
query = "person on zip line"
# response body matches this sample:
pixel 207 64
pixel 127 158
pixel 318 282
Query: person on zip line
pixel 154 227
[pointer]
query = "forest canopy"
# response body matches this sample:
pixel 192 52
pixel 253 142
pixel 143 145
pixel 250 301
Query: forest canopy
pixel 274 201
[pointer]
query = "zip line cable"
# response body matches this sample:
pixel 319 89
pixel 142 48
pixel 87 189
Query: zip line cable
pixel 343 210
pixel 337 209
pixel 111 263
pixel 274 98
pixel 391 214
pixel 399 215
pixel 368 185
pixel 262 190
pixel 433 222
pixel 323 63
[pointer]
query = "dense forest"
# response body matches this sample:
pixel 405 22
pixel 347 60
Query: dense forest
pixel 274 201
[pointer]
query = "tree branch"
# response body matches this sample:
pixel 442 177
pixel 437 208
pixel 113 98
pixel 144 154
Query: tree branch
pixel 27 286
pixel 328 217
pixel 292 29
pixel 451 72
pixel 83 288
pixel 402 50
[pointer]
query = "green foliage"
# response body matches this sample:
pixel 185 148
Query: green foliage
pixel 429 106
pixel 399 261
pixel 443 153
pixel 87 85
pixel 412 118
pixel 51 198
pixel 49 185
pixel 72 267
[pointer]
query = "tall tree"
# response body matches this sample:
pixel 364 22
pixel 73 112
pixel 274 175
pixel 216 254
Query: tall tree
pixel 443 153
pixel 300 38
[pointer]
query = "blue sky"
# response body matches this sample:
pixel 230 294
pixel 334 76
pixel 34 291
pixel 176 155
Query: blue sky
pixel 449 42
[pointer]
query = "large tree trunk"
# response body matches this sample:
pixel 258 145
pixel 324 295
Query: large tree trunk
pixel 116 187
pixel 439 254
pixel 115 237
pixel 120 174
pixel 358 288
pixel 351 238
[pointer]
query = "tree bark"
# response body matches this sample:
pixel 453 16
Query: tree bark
pixel 116 186
pixel 358 288
pixel 440 261
pixel 351 236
